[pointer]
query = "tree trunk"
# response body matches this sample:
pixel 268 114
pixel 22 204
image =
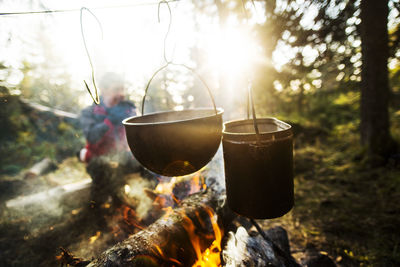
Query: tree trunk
pixel 375 90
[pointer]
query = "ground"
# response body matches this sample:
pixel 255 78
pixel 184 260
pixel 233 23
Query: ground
pixel 41 214
pixel 347 210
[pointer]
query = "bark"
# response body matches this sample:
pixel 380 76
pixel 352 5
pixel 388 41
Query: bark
pixel 375 90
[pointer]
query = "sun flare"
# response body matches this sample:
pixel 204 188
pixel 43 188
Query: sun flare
pixel 232 52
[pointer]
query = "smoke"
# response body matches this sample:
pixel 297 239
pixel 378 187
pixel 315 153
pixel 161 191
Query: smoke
pixel 134 190
pixel 43 209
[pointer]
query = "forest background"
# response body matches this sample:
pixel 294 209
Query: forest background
pixel 328 67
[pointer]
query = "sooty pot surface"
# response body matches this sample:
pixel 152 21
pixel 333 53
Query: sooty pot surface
pixel 175 143
pixel 259 169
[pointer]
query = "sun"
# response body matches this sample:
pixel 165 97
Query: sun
pixel 232 52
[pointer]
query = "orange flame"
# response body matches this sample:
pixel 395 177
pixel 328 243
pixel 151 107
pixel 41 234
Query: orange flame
pixel 125 222
pixel 211 256
pixel 92 239
pixel 164 195
pixel 129 216
pixel 165 258
pixel 197 184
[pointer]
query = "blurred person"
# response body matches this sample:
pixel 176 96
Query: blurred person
pixel 107 152
pixel 102 124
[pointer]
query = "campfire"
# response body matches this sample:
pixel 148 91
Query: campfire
pixel 181 221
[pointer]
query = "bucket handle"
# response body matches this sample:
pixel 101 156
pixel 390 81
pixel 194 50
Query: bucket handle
pixel 181 65
pixel 250 102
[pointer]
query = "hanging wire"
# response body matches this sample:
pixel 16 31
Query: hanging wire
pixel 95 99
pixel 75 10
pixel 253 112
pixel 170 62
pixel 182 65
pixel 250 99
pixel 169 27
pixel 148 85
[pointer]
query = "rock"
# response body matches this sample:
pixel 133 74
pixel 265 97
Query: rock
pixel 315 259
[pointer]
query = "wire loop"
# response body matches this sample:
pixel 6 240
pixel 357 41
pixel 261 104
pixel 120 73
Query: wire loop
pixel 95 99
pixel 188 68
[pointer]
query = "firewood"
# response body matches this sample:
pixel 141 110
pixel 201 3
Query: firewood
pixel 167 241
pixel 171 240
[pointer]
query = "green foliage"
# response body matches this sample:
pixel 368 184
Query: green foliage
pixel 28 136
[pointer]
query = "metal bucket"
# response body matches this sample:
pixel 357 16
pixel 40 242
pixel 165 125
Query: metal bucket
pixel 259 167
pixel 175 143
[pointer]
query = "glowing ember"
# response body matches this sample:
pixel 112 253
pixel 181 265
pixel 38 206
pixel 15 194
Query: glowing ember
pixel 92 239
pixel 125 222
pixel 197 184
pixel 130 217
pixel 165 258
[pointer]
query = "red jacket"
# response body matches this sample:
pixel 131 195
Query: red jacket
pixel 103 128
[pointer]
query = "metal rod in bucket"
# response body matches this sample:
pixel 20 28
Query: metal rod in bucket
pixel 250 100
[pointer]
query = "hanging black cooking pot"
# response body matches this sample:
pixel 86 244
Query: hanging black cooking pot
pixel 259 167
pixel 175 143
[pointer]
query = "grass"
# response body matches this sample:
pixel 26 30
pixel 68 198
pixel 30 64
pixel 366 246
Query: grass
pixel 342 206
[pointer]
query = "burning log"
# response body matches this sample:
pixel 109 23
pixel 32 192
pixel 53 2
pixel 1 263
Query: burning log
pixel 175 239
pixel 189 234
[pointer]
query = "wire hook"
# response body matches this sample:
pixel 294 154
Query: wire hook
pixel 95 99
pixel 169 27
pixel 250 99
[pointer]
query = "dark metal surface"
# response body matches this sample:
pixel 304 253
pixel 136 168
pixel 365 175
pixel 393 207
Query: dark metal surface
pixel 259 167
pixel 175 143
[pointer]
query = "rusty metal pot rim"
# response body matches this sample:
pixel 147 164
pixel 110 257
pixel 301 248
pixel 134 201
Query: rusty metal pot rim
pixel 260 121
pixel 216 112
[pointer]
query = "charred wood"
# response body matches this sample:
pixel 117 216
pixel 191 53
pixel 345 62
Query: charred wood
pixel 168 241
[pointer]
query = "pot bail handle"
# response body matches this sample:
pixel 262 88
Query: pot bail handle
pixel 250 102
pixel 188 68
